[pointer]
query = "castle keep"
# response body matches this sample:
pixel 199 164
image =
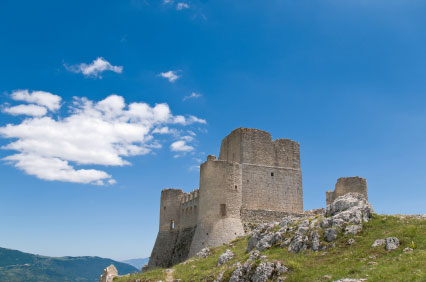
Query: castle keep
pixel 255 179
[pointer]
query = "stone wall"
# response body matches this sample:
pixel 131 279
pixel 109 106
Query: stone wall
pixel 254 217
pixel 345 185
pixel 272 188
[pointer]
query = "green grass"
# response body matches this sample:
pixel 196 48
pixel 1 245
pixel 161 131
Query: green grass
pixel 343 261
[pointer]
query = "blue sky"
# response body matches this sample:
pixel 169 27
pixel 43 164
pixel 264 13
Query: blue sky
pixel 346 79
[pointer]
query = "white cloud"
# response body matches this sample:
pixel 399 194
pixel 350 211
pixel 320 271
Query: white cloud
pixel 29 110
pixel 42 98
pixel 192 96
pixel 188 120
pixel 181 146
pixel 95 69
pixel 172 76
pixel 167 1
pixel 181 6
pixel 94 133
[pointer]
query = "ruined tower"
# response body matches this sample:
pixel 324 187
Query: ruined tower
pixel 255 179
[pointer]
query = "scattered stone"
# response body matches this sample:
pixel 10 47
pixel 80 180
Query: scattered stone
pixel 315 240
pixel 372 257
pixel 330 234
pixel 378 242
pixel 225 257
pixel 353 229
pixel 254 255
pixel 408 250
pixel 205 252
pixel 392 243
pixel 286 242
pixel 372 263
pixel 351 241
pixel 325 277
pixel 280 268
pixel 109 274
pixel 298 244
pixel 263 271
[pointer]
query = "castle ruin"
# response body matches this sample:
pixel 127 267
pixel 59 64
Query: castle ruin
pixel 345 185
pixel 255 179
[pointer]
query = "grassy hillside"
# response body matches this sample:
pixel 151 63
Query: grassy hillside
pixel 358 260
pixel 16 266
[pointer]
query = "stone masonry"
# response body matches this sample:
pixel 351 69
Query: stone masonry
pixel 345 185
pixel 255 179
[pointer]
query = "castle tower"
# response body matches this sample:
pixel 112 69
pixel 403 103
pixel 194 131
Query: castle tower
pixel 220 204
pixel 272 178
pixel 162 252
pixel 345 185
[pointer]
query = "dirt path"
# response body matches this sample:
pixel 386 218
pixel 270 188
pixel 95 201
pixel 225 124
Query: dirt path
pixel 169 275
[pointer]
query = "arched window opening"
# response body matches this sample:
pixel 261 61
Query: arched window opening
pixel 172 224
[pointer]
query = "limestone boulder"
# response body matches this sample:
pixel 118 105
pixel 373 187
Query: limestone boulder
pixel 225 257
pixel 109 274
pixel 205 252
pixel 315 242
pixel 351 208
pixel 353 229
pixel 392 243
pixel 378 242
pixel 263 272
pixel 330 234
pixel 298 244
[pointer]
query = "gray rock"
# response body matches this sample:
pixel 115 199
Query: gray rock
pixel 392 243
pixel 254 255
pixel 326 223
pixel 109 274
pixel 265 242
pixel 298 244
pixel 280 268
pixel 286 242
pixel 302 230
pixel 353 229
pixel 378 242
pixel 330 234
pixel 350 280
pixel 263 272
pixel 205 252
pixel 352 208
pixel 407 250
pixel 225 257
pixel 315 240
pixel 351 241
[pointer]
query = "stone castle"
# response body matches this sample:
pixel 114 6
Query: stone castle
pixel 255 180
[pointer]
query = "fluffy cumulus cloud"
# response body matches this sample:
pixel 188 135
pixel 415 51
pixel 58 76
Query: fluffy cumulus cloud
pixel 95 69
pixel 171 76
pixel 41 98
pixel 181 146
pixel 102 133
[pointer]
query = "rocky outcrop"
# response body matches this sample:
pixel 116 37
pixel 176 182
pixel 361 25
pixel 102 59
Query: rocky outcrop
pixel 109 274
pixel 264 271
pixel 298 233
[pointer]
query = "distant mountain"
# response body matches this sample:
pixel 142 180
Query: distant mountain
pixel 138 263
pixel 16 266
